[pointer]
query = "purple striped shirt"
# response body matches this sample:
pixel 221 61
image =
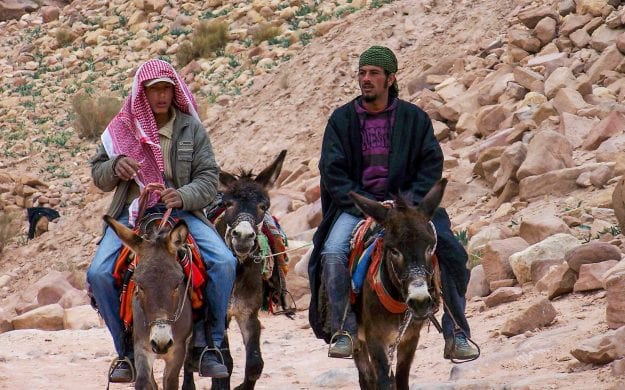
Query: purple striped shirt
pixel 376 135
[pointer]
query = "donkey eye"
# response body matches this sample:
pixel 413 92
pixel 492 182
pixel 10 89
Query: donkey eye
pixel 263 207
pixel 394 252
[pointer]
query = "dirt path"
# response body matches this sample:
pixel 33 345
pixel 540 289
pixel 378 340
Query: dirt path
pixel 294 359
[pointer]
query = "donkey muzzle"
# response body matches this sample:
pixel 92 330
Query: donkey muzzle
pixel 419 299
pixel 243 238
pixel 161 338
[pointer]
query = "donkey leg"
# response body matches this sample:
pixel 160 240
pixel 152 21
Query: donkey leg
pixel 172 368
pixel 250 330
pixel 363 364
pixel 405 356
pixel 380 364
pixel 145 376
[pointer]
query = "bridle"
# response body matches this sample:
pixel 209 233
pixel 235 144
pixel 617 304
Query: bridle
pixel 181 302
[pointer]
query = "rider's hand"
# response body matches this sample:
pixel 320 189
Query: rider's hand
pixel 171 198
pixel 126 168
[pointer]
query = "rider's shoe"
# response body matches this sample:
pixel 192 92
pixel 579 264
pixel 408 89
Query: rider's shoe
pixel 122 371
pixel 211 365
pixel 459 348
pixel 342 348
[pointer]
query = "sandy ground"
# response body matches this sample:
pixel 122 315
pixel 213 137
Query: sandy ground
pixel 294 359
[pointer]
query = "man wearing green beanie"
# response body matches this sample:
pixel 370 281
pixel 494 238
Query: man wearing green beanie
pixel 377 145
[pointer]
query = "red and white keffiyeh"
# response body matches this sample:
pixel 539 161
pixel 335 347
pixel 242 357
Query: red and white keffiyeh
pixel 133 132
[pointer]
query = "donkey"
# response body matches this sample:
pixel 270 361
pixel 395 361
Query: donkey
pixel 406 274
pixel 246 201
pixel 161 307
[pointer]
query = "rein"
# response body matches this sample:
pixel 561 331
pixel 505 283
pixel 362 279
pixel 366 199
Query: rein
pixel 143 198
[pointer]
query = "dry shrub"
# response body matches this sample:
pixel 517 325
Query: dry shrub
pixel 210 37
pixel 205 41
pixel 185 54
pixel 264 32
pixel 64 37
pixel 93 114
pixel 9 227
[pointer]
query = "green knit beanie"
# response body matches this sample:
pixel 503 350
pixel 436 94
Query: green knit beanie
pixel 380 56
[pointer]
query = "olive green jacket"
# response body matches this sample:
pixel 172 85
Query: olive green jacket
pixel 193 165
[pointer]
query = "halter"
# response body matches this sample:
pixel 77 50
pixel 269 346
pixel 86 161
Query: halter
pixel 181 304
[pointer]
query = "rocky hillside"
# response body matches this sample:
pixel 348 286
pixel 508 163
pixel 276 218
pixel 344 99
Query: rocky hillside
pixel 526 101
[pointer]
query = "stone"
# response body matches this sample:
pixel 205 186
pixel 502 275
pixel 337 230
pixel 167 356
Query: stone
pixel 613 124
pixel 495 257
pixel 539 314
pixel 478 284
pixel 592 252
pixel 591 275
pixel 49 317
pixel 503 295
pixel 561 281
pixel 547 151
pixel 551 248
pixel 536 228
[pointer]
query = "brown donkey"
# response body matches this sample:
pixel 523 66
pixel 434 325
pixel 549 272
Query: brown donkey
pixel 406 273
pixel 161 308
pixel 246 202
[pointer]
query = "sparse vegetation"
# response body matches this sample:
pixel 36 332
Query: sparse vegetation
pixel 207 40
pixel 64 37
pixel 265 32
pixel 93 114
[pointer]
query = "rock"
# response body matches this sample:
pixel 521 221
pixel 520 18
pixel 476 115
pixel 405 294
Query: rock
pixel 596 350
pixel 540 313
pixel 81 317
pixel 49 317
pixel 536 228
pixel 614 284
pixel 560 281
pixel 503 295
pixel 591 275
pixel 478 285
pixel 551 248
pixel 547 151
pixel 5 323
pixel 610 126
pixel 495 257
pixel 618 202
pixel 592 252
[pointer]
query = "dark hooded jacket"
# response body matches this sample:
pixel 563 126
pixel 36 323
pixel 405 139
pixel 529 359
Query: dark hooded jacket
pixel 415 165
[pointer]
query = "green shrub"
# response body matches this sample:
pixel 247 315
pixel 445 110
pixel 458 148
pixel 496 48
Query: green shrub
pixel 93 114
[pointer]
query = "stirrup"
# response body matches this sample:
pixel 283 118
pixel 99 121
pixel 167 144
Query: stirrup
pixel 117 361
pixel 335 336
pixel 211 349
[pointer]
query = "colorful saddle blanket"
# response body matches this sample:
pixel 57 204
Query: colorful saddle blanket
pixel 190 261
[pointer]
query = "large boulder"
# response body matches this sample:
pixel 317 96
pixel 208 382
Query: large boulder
pixel 592 252
pixel 553 247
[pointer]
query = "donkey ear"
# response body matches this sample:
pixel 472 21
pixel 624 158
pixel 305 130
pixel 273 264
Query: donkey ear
pixel 269 175
pixel 370 207
pixel 226 178
pixel 433 198
pixel 178 234
pixel 125 234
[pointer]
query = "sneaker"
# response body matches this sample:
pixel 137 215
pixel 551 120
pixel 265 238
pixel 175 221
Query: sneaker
pixel 342 348
pixel 212 366
pixel 122 372
pixel 459 348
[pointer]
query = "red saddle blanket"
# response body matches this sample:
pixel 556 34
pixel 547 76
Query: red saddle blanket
pixel 127 262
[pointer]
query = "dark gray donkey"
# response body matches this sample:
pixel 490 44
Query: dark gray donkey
pixel 246 201
pixel 161 306
pixel 406 273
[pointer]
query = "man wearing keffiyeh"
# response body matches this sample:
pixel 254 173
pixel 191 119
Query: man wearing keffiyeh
pixel 378 145
pixel 157 137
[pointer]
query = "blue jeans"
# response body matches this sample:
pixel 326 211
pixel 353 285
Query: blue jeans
pixel 337 241
pixel 220 268
pixel 454 275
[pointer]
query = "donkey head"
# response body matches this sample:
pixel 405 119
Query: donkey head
pixel 159 279
pixel 409 243
pixel 247 199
